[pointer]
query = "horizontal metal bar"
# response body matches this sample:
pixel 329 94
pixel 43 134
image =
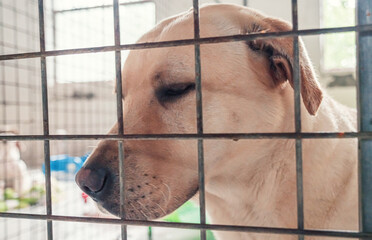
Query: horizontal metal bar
pixel 5 103
pixel 179 136
pixel 101 6
pixel 19 85
pixel 185 42
pixel 216 227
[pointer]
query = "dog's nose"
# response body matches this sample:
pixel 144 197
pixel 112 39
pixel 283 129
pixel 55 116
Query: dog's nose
pixel 91 181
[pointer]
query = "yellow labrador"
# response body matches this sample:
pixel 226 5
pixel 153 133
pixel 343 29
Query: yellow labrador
pixel 247 87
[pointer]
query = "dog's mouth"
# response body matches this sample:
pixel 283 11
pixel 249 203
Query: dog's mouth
pixel 137 211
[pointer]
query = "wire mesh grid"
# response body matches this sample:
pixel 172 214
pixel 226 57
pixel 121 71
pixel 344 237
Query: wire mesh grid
pixel 363 135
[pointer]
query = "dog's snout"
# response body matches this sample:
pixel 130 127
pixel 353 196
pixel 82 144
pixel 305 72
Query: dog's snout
pixel 91 181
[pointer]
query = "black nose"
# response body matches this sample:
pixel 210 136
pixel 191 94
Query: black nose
pixel 91 181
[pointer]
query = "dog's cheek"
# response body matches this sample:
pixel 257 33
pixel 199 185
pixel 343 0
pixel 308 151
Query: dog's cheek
pixel 180 117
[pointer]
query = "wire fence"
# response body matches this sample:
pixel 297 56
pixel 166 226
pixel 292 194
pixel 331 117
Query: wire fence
pixel 364 135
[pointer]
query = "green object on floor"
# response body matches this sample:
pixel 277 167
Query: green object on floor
pixel 209 236
pixel 3 207
pixel 188 213
pixel 30 198
pixel 38 189
pixel 22 204
pixel 149 233
pixel 29 201
pixel 9 194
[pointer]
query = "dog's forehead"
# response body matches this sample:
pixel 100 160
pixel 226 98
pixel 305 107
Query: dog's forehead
pixel 155 66
pixel 215 20
pixel 144 66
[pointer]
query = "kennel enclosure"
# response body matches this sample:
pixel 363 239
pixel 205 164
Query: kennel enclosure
pixel 40 101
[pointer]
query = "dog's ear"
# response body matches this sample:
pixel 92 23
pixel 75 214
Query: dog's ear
pixel 280 54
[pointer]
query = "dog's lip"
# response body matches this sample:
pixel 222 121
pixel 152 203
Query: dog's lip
pixel 111 207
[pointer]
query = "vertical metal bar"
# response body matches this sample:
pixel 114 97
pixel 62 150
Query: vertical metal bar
pixel 364 59
pixel 122 192
pixel 3 103
pixel 54 27
pixel 44 92
pixel 119 95
pixel 199 119
pixel 17 85
pixel 17 95
pixel 119 105
pixel 245 3
pixel 55 89
pixel 297 119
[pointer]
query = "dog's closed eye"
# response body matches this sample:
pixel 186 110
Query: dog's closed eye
pixel 173 92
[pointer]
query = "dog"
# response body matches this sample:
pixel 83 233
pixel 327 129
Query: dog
pixel 247 87
pixel 13 170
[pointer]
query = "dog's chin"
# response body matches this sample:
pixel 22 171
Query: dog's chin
pixel 114 209
pixel 102 209
pixel 108 209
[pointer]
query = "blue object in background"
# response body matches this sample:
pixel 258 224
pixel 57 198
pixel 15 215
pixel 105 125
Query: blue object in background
pixel 66 164
pixel 84 157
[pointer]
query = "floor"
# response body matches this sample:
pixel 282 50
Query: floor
pixel 67 200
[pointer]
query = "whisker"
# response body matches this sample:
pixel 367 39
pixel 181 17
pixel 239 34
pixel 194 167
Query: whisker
pixel 165 197
pixel 160 208
pixel 141 204
pixel 139 210
pixel 169 191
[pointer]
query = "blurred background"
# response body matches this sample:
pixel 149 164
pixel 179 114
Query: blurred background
pixel 82 99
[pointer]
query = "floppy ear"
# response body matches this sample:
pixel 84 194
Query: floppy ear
pixel 280 54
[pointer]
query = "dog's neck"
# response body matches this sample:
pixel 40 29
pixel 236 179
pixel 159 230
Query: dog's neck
pixel 241 195
pixel 261 191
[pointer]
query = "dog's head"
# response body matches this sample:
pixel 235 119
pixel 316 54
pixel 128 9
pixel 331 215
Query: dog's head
pixel 246 87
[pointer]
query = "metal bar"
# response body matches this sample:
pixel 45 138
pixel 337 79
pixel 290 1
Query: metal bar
pixel 245 3
pixel 184 42
pixel 119 111
pixel 199 119
pixel 231 136
pixel 215 227
pixel 297 118
pixel 21 85
pixel 18 103
pixel 55 80
pixel 364 59
pixel 4 108
pixel 17 97
pixel 102 6
pixel 17 82
pixel 44 92
pixel 119 96
pixel 54 36
pixel 299 186
pixel 122 187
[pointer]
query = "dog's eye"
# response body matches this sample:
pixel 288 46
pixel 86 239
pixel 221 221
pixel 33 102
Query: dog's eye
pixel 174 92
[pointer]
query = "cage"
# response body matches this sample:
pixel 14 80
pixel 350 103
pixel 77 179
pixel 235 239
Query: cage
pixel 60 63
